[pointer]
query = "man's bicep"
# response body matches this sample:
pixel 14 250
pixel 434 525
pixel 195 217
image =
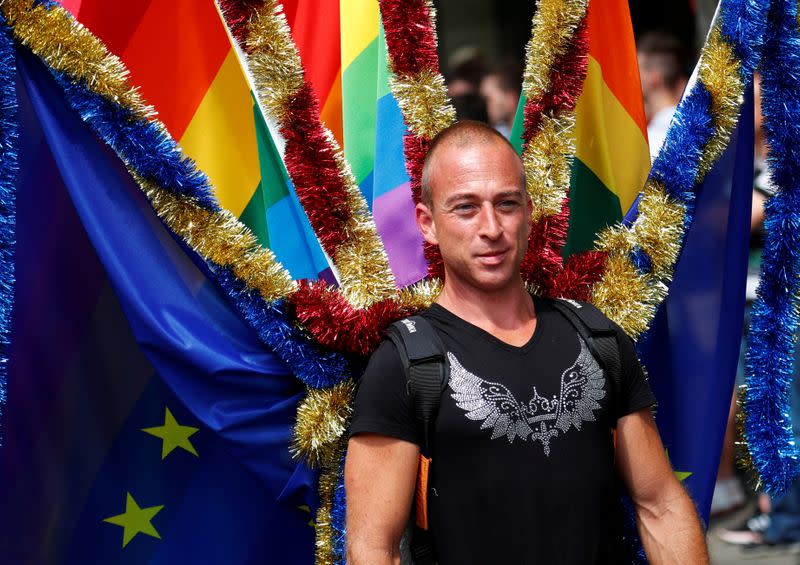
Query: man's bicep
pixel 640 457
pixel 380 474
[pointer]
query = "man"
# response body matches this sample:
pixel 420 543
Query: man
pixel 522 471
pixel 662 67
pixel 500 89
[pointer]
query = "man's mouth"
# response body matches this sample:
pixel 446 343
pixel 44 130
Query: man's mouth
pixel 492 257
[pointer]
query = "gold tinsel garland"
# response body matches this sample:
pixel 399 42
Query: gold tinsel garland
pixel 719 72
pixel 53 35
pixel 322 420
pixel 220 237
pixel 548 162
pixel 420 295
pixel 624 293
pixel 68 47
pixel 278 76
pixel 423 100
pixel 744 458
pixel 328 481
pixel 422 96
pixel 548 155
pixel 554 26
pixel 627 296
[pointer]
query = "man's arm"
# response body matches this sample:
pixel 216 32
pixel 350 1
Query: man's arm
pixel 379 477
pixel 668 523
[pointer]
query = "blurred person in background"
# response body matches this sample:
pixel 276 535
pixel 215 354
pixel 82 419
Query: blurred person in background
pixel 470 107
pixel 663 61
pixel 466 68
pixel 500 88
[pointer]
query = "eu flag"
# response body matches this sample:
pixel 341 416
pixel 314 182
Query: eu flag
pixel 146 422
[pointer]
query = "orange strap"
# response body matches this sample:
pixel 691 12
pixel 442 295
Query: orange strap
pixel 421 494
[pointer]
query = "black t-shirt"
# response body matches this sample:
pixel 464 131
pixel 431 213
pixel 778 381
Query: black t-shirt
pixel 523 451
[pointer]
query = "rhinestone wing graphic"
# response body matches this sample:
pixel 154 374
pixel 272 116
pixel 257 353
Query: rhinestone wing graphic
pixel 582 386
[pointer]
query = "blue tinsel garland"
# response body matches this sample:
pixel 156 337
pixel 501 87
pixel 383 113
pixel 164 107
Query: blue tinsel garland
pixel 338 517
pixel 145 146
pixel 9 165
pixel 774 321
pixel 314 366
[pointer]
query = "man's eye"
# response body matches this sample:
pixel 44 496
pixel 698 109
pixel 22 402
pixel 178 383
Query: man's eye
pixel 464 207
pixel 509 204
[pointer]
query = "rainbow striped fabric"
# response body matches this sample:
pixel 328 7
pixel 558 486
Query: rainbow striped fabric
pixel 373 137
pixel 612 158
pixel 203 97
pixel 180 56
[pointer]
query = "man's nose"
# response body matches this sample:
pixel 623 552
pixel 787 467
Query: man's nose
pixel 489 222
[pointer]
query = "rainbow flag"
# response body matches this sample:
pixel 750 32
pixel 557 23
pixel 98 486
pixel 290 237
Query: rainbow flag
pixel 373 137
pixel 180 57
pixel 612 158
pixel 203 98
pixel 315 30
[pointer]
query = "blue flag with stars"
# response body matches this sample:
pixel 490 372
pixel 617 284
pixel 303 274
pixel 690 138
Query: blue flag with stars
pixel 145 422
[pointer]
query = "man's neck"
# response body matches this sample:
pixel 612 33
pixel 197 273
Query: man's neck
pixel 498 312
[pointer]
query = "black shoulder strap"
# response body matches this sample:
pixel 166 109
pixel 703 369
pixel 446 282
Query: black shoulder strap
pixel 423 355
pixel 600 337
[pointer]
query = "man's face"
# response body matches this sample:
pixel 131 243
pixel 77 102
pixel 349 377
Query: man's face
pixel 480 216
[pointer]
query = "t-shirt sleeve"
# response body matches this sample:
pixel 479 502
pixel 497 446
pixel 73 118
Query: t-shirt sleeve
pixel 635 392
pixel 383 405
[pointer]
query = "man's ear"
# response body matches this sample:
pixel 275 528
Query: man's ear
pixel 426 224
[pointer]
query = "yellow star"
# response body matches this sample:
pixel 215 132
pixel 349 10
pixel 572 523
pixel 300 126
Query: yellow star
pixel 173 435
pixel 306 509
pixel 135 520
pixel 680 475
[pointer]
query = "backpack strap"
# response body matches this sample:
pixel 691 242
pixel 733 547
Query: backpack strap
pixel 423 356
pixel 600 336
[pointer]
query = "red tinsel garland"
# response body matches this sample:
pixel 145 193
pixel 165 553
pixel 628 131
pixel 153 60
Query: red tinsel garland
pixel 411 46
pixel 237 17
pixel 543 261
pixel 543 264
pixel 416 148
pixel 579 275
pixel 311 164
pixel 309 155
pixel 410 37
pixel 334 323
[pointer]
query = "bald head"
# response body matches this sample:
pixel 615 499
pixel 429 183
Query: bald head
pixel 461 135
